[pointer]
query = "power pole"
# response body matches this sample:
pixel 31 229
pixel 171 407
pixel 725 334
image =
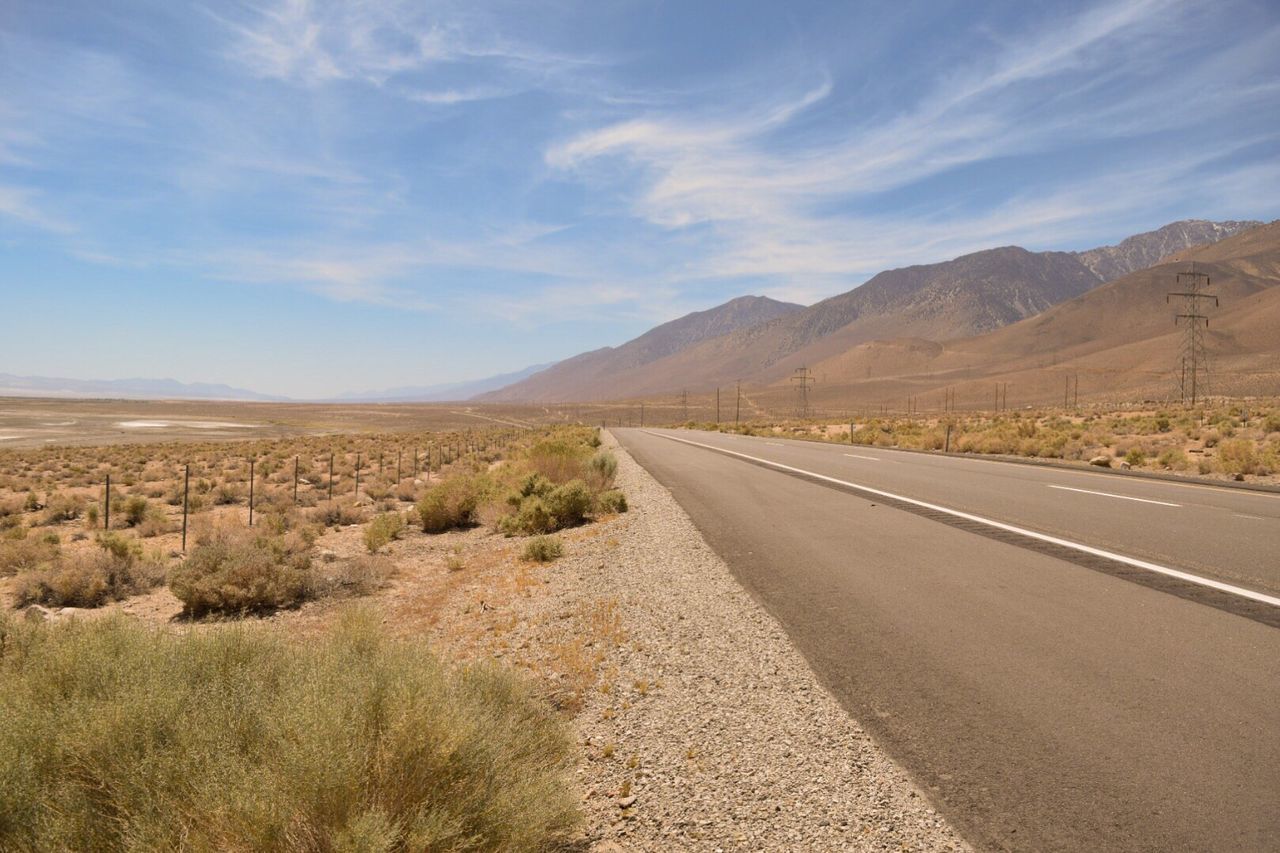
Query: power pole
pixel 804 381
pixel 717 406
pixel 1194 358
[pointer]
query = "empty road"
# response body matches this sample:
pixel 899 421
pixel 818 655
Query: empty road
pixel 1067 660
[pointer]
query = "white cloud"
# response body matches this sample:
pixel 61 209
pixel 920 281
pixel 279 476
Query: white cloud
pixel 22 206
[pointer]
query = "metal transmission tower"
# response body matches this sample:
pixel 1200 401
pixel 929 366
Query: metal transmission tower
pixel 804 381
pixel 1194 382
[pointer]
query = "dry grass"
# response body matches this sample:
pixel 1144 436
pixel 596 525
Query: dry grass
pixel 114 737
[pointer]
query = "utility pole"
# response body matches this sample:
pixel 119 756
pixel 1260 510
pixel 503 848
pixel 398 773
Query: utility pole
pixel 684 403
pixel 1194 358
pixel 804 381
pixel 717 407
pixel 737 406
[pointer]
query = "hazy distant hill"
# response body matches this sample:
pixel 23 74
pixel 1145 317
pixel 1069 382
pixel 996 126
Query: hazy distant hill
pixel 1144 250
pixel 442 392
pixel 967 296
pixel 592 374
pixel 145 389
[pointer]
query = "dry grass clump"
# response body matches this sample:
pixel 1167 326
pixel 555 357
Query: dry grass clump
pixel 337 514
pixel 543 549
pixel 91 579
pixel 115 737
pixel 236 574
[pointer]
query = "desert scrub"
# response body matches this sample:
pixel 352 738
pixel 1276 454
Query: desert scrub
pixel 91 579
pixel 26 553
pixel 337 514
pixel 242 574
pixel 563 506
pixel 382 530
pixel 612 501
pixel 115 736
pixel 452 503
pixel 543 549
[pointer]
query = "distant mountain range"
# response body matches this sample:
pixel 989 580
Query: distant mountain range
pixel 966 316
pixel 968 296
pixel 440 393
pixel 133 389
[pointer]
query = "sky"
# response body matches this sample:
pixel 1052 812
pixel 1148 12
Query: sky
pixel 307 198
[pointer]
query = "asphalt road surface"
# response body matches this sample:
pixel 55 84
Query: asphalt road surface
pixel 1067 660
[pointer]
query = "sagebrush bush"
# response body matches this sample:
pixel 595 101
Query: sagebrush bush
pixel 569 504
pixel 118 737
pixel 1237 456
pixel 612 501
pixel 382 530
pixel 63 508
pixel 337 514
pixel 603 468
pixel 452 502
pixel 559 459
pixel 134 510
pixel 239 575
pixel 543 549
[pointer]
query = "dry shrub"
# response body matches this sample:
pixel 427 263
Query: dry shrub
pixel 612 501
pixel 452 503
pixel 382 530
pixel 121 737
pixel 63 508
pixel 234 575
pixel 1238 456
pixel 92 579
pixel 337 514
pixel 559 459
pixel 357 576
pixel 26 554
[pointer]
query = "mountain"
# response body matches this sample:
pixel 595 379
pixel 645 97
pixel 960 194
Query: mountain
pixel 1120 339
pixel 1144 250
pixel 142 389
pixel 955 299
pixel 444 392
pixel 592 374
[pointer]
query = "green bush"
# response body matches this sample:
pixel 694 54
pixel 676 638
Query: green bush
pixel 229 576
pixel 604 466
pixel 134 510
pixel 382 530
pixel 452 503
pixel 569 504
pixel 612 501
pixel 559 459
pixel 117 737
pixel 1135 457
pixel 532 517
pixel 543 549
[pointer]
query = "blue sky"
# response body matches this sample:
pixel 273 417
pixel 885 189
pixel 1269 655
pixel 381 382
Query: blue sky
pixel 306 198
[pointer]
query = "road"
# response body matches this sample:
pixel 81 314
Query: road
pixel 1066 660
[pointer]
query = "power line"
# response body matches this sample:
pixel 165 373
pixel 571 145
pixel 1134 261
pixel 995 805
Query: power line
pixel 1194 359
pixel 803 380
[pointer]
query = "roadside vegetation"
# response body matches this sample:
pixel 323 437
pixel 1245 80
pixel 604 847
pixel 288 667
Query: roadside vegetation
pixel 1232 440
pixel 115 736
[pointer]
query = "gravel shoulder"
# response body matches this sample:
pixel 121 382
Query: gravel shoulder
pixel 714 723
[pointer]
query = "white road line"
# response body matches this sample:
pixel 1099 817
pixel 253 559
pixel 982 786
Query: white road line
pixel 859 456
pixel 775 444
pixel 1109 495
pixel 999 525
pixel 1253 517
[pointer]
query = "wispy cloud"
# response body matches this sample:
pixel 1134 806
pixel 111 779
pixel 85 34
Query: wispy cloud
pixel 22 205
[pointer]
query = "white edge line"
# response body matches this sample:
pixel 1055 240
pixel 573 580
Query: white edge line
pixel 857 456
pixel 1109 495
pixel 999 525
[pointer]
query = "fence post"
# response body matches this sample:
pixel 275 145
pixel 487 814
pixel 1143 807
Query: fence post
pixel 399 452
pixel 946 447
pixel 106 513
pixel 330 478
pixel 357 476
pixel 251 478
pixel 186 490
pixel 295 479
